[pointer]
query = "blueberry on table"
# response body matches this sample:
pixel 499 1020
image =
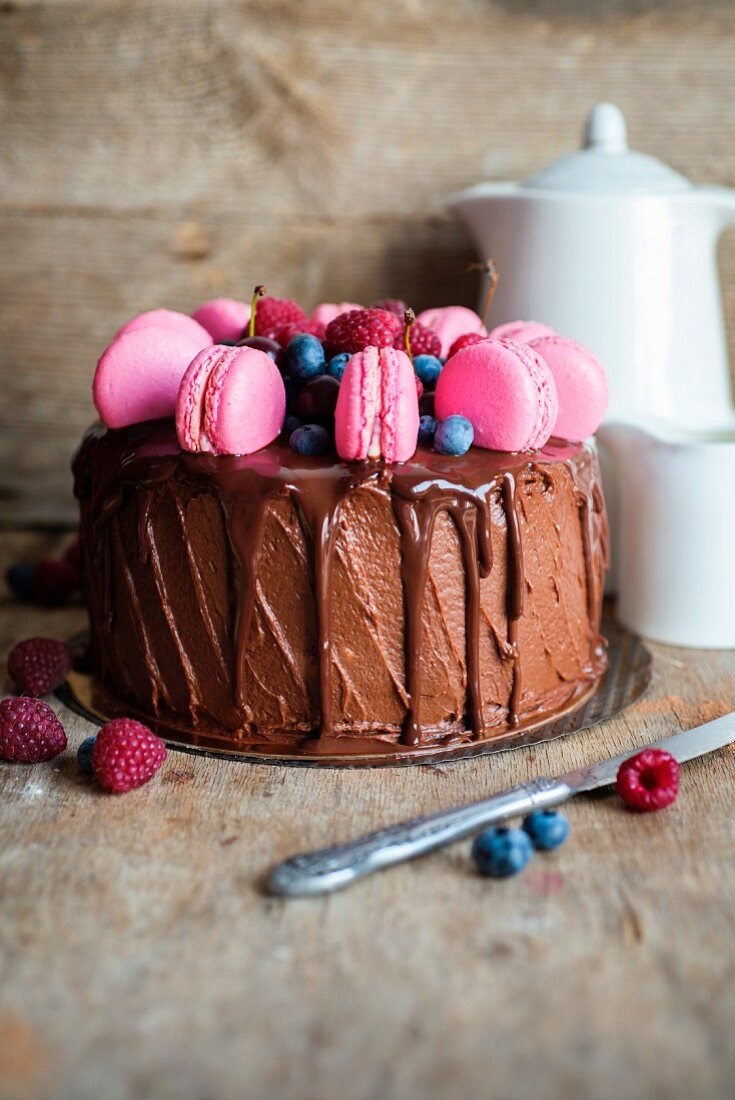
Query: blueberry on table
pixel 337 365
pixel 428 368
pixel 454 436
pixel 501 852
pixel 548 829
pixel 305 356
pixel 311 439
pixel 427 428
pixel 84 756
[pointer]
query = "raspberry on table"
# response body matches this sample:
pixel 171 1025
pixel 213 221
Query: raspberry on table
pixel 422 341
pixel 274 314
pixel 56 582
pixel 38 665
pixel 29 731
pixel 126 754
pixel 391 305
pixel 648 781
pixel 362 328
pixel 465 341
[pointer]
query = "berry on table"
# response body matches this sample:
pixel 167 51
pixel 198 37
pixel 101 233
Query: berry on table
pixel 501 852
pixel 391 305
pixel 305 356
pixel 428 368
pixel 56 582
pixel 126 754
pixel 362 328
pixel 29 731
pixel 465 341
pixel 648 781
pixel 84 756
pixel 454 436
pixel 427 428
pixel 38 665
pixel 21 580
pixel 310 440
pixel 548 829
pixel 337 365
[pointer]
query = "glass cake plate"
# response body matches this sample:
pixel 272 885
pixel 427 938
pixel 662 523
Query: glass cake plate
pixel 627 677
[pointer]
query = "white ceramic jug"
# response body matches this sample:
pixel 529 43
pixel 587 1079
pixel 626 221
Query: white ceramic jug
pixel 619 251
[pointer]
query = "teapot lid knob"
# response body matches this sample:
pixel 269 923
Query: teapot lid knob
pixel 605 129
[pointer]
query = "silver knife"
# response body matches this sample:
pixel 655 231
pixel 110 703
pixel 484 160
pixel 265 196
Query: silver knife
pixel 329 869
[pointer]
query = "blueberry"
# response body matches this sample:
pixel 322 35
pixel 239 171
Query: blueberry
pixel 336 366
pixel 305 356
pixel 428 368
pixel 312 439
pixel 501 852
pixel 454 436
pixel 84 756
pixel 290 424
pixel 548 829
pixel 427 428
pixel 21 580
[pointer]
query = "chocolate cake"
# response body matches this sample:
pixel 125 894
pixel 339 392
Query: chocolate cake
pixel 333 607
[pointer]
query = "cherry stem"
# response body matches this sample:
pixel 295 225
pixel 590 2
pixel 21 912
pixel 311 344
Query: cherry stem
pixel 257 293
pixel 409 319
pixel 490 269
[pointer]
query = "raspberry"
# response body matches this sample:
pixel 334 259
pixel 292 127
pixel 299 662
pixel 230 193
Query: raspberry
pixel 56 581
pixel 29 731
pixel 423 341
pixel 273 314
pixel 126 755
pixel 648 781
pixel 38 665
pixel 285 335
pixel 360 329
pixel 465 342
pixel 391 305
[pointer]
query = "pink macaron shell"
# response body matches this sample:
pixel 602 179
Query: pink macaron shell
pixel 223 318
pixel 522 332
pixel 190 399
pixel 138 376
pixel 354 414
pixel 400 406
pixel 245 402
pixel 581 383
pixel 173 321
pixel 505 390
pixel 449 322
pixel 327 311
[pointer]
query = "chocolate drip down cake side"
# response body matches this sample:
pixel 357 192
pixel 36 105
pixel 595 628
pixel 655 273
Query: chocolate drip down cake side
pixel 357 580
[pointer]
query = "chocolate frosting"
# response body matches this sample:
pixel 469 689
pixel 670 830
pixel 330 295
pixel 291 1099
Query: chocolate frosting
pixel 286 599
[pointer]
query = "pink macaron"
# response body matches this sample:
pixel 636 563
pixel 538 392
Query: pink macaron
pixel 223 318
pixel 173 321
pixel 231 401
pixel 449 322
pixel 581 383
pixel 505 390
pixel 523 332
pixel 377 413
pixel 138 375
pixel 327 311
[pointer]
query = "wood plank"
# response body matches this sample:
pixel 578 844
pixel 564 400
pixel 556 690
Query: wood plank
pixel 139 959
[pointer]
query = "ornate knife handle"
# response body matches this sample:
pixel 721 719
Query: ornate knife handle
pixel 333 868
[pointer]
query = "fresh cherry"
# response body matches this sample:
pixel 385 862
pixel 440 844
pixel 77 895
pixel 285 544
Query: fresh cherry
pixel 318 399
pixel 263 343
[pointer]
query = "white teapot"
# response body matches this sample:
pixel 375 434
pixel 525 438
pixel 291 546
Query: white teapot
pixel 617 250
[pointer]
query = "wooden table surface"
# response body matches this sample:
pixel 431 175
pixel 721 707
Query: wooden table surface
pixel 139 957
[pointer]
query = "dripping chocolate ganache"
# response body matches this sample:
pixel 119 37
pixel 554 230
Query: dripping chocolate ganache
pixel 277 599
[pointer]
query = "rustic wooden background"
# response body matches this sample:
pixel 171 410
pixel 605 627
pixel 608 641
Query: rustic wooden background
pixel 158 152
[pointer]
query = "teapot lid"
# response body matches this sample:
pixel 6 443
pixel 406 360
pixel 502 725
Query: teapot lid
pixel 605 164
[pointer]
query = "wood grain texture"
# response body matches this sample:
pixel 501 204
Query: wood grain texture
pixel 159 153
pixel 139 959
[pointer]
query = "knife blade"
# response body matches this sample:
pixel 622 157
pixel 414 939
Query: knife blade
pixel 333 868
